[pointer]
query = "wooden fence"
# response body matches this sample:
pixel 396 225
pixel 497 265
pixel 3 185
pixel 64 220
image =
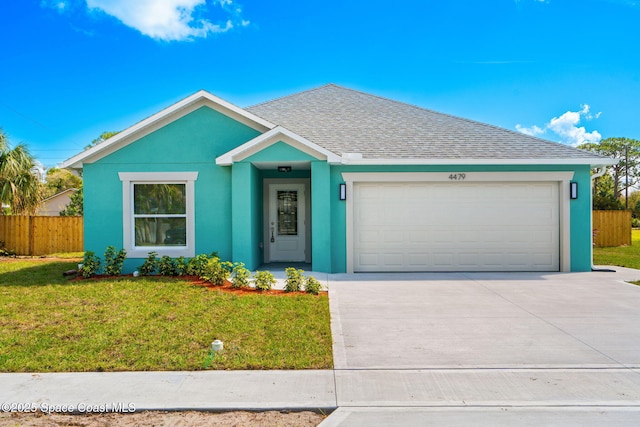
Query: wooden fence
pixel 612 228
pixel 42 235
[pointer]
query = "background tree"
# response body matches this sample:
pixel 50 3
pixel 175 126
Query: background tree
pixel 603 194
pixel 625 174
pixel 76 204
pixel 58 180
pixel 103 137
pixel 19 186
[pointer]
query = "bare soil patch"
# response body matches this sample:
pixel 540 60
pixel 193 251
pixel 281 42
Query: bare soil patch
pixel 163 418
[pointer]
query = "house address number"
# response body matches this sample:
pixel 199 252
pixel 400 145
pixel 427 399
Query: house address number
pixel 457 177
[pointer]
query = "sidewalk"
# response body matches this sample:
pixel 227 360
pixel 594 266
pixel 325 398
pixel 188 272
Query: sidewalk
pixel 206 390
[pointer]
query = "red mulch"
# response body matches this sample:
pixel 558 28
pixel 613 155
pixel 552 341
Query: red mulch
pixel 196 281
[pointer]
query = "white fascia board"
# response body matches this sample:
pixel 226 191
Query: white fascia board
pixel 568 161
pixel 269 138
pixel 169 114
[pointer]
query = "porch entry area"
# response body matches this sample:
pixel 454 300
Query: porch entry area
pixel 287 221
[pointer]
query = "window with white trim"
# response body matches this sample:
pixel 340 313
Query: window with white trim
pixel 158 213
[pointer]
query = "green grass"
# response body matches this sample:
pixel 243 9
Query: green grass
pixel 622 256
pixel 52 324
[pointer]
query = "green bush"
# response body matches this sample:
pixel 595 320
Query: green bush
pixel 181 266
pixel 150 265
pixel 4 251
pixel 167 266
pixel 90 265
pixel 217 271
pixel 241 276
pixel 312 286
pixel 295 279
pixel 197 266
pixel 263 280
pixel 113 261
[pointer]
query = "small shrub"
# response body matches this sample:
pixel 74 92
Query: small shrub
pixel 312 286
pixel 294 280
pixel 150 265
pixel 197 266
pixel 113 261
pixel 241 276
pixel 263 280
pixel 217 271
pixel 90 265
pixel 181 266
pixel 4 251
pixel 167 266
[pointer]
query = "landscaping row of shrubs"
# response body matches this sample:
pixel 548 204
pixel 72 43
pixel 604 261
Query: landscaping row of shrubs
pixel 207 267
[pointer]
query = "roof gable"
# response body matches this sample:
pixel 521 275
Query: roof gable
pixel 276 135
pixel 164 117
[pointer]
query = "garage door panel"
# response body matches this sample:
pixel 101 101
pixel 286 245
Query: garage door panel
pixel 456 227
pixel 418 259
pixel 443 260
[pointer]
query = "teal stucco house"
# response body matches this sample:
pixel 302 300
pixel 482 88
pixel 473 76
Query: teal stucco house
pixel 340 179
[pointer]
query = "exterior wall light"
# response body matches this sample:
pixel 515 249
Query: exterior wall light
pixel 573 190
pixel 343 191
pixel 284 168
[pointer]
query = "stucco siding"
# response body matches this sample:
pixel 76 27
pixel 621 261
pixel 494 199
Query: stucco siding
pixel 191 144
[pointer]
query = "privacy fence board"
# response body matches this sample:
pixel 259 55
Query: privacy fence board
pixel 42 235
pixel 612 228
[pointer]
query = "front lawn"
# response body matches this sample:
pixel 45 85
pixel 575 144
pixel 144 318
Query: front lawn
pixel 50 323
pixel 622 256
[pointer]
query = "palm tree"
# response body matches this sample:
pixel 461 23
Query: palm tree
pixel 19 186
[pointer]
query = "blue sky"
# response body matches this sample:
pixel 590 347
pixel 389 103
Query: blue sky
pixel 564 70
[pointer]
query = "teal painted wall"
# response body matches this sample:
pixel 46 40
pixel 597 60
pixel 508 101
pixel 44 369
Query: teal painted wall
pixel 190 143
pixel 581 221
pixel 246 220
pixel 321 243
pixel 280 152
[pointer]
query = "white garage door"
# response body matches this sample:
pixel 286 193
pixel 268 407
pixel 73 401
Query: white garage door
pixel 441 226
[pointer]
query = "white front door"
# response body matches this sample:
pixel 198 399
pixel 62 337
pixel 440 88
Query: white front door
pixel 286 227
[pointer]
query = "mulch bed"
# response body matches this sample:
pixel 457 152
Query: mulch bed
pixel 196 281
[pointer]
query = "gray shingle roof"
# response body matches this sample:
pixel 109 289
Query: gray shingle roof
pixel 347 121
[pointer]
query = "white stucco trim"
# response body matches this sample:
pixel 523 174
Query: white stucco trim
pixel 271 137
pixel 562 177
pixel 129 178
pixel 162 118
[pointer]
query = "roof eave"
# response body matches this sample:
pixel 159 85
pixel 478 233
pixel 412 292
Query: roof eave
pixel 595 162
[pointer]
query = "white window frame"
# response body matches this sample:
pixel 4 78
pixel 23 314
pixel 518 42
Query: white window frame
pixel 128 218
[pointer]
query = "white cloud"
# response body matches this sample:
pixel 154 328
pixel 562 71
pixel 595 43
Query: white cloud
pixel 59 5
pixel 567 127
pixel 532 131
pixel 168 20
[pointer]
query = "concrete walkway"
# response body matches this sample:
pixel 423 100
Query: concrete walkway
pixel 205 390
pixel 417 349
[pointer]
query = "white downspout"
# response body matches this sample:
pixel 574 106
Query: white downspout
pixel 595 176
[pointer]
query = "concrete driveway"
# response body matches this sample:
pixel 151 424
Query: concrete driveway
pixel 532 343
